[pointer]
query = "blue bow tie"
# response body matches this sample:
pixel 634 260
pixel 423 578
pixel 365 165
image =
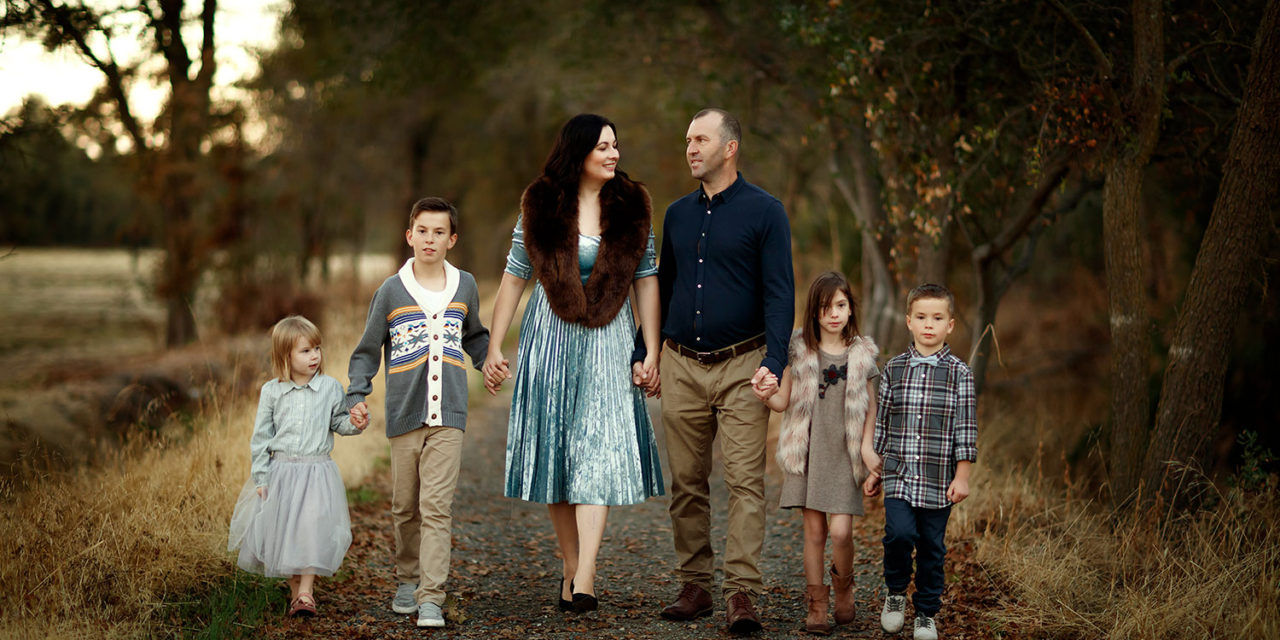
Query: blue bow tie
pixel 932 360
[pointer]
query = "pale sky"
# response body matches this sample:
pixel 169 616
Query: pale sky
pixel 63 77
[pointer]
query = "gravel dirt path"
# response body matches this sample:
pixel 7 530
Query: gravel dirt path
pixel 505 572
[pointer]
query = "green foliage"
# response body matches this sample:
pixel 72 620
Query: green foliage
pixel 232 608
pixel 364 494
pixel 1256 463
pixel 53 193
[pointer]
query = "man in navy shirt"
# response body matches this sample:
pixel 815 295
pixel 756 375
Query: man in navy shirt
pixel 728 302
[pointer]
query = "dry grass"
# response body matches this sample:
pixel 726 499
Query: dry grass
pixel 1075 569
pixel 100 550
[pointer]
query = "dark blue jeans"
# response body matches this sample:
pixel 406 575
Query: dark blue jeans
pixel 908 528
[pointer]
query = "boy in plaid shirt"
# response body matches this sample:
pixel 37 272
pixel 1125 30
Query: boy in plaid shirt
pixel 925 443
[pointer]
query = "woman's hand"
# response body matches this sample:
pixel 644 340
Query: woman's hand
pixel 262 493
pixel 496 369
pixel 652 376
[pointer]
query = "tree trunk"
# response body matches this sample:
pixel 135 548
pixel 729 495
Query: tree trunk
pixel 1230 260
pixel 883 317
pixel 1123 242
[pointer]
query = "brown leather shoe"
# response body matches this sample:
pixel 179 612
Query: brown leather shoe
pixel 741 614
pixel 845 609
pixel 817 597
pixel 693 602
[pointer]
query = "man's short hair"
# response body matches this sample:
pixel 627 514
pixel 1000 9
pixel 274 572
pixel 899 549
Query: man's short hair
pixel 932 292
pixel 730 128
pixel 435 204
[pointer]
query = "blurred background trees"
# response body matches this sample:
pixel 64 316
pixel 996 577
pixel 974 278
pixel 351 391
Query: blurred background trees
pixel 1055 148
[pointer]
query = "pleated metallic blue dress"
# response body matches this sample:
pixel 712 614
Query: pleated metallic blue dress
pixel 579 431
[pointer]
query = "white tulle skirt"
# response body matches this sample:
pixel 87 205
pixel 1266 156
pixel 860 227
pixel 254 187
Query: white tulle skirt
pixel 301 527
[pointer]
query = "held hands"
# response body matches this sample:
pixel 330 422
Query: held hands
pixel 871 486
pixel 958 490
pixel 359 416
pixel 646 376
pixel 496 370
pixel 764 384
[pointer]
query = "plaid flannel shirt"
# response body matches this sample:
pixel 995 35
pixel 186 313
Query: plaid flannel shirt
pixel 926 422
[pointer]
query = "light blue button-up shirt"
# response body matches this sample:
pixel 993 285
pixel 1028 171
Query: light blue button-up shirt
pixel 297 420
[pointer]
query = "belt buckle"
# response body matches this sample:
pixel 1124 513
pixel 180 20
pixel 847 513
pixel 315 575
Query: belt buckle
pixel 703 357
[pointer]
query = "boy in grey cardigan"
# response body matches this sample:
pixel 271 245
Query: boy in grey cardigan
pixel 420 321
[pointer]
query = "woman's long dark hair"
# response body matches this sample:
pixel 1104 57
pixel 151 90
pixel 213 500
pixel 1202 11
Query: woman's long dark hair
pixel 577 138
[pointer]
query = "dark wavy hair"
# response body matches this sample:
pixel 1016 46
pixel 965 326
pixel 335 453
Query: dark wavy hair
pixel 577 138
pixel 821 293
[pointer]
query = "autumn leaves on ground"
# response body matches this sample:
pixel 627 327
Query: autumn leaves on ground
pixel 129 541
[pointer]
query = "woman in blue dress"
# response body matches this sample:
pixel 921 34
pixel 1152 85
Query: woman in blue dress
pixel 579 437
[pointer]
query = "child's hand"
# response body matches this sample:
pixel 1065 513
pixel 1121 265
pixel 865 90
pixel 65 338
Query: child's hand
pixel 873 460
pixel 871 486
pixel 360 415
pixel 958 490
pixel 764 381
pixel 262 492
pixel 765 385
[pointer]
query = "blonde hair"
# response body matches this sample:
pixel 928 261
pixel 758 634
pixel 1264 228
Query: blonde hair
pixel 284 336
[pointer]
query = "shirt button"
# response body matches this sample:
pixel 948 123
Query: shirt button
pixel 704 235
pixel 435 397
pixel 435 377
pixel 435 357
pixel 437 337
pixel 699 286
pixel 435 316
pixel 433 416
pixel 699 260
pixel 699 338
pixel 697 312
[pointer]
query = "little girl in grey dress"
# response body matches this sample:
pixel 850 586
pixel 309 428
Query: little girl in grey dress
pixel 291 520
pixel 827 395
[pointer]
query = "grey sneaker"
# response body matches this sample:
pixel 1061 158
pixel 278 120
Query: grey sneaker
pixel 925 629
pixel 892 616
pixel 404 602
pixel 429 615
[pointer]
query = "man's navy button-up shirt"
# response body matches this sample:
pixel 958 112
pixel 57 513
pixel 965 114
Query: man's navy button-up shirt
pixel 725 272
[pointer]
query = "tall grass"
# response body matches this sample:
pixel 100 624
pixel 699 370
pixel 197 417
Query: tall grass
pixel 99 551
pixel 1075 568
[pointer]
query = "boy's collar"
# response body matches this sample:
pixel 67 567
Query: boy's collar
pixel 941 353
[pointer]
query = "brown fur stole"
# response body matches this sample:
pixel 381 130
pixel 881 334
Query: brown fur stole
pixel 793 438
pixel 550 219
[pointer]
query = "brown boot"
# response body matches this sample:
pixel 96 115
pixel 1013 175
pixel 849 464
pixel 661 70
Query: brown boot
pixel 845 610
pixel 817 598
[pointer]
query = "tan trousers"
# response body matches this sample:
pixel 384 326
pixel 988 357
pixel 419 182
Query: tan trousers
pixel 699 401
pixel 424 474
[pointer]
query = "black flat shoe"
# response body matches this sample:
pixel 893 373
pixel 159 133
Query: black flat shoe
pixel 565 605
pixel 584 602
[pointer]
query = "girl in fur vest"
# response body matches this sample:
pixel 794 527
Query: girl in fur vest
pixel 824 447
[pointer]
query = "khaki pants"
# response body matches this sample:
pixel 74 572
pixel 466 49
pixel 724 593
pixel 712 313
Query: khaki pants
pixel 699 401
pixel 424 474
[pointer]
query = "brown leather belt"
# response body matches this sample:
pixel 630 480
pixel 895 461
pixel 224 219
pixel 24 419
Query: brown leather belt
pixel 719 355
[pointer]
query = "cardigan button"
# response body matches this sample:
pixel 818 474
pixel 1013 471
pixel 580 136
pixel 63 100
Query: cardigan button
pixel 435 397
pixel 435 337
pixel 433 416
pixel 435 377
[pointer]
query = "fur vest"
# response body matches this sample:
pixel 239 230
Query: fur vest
pixel 550 219
pixel 793 440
